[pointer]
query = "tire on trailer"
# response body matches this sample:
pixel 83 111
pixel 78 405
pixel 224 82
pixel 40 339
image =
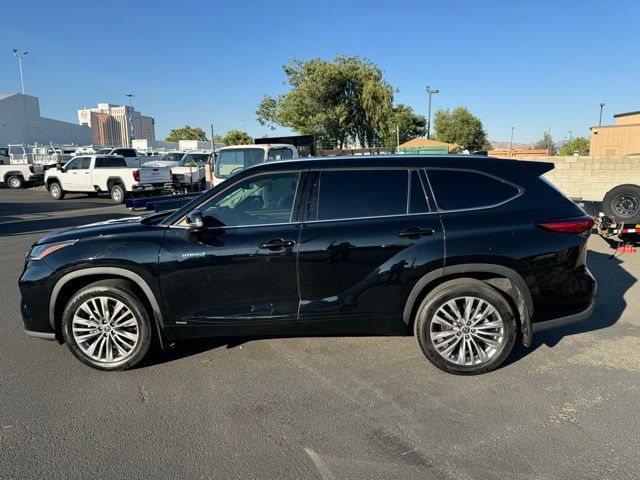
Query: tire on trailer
pixel 622 203
pixel 118 194
pixel 15 181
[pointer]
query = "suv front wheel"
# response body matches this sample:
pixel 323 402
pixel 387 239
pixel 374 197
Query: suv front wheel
pixel 106 327
pixel 465 327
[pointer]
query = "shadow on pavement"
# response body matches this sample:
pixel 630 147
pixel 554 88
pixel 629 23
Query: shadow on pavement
pixel 8 210
pixel 54 223
pixel 613 282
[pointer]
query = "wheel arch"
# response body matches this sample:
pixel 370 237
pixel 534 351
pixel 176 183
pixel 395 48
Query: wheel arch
pixel 112 181
pixel 51 180
pixel 13 173
pixel 79 278
pixel 515 289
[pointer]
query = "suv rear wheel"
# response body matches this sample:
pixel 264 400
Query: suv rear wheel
pixel 106 327
pixel 465 327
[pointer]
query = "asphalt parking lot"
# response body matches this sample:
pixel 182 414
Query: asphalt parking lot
pixel 317 408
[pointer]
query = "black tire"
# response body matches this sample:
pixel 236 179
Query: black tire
pixel 56 191
pixel 455 290
pixel 622 203
pixel 118 194
pixel 116 291
pixel 15 181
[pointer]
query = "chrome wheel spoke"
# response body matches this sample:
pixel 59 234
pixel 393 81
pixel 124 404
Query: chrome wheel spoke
pixel 467 331
pixel 105 329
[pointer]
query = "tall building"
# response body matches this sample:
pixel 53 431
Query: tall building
pixel 117 125
pixel 21 122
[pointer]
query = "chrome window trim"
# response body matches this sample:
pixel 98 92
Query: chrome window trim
pixel 471 209
pixel 178 223
pixel 372 218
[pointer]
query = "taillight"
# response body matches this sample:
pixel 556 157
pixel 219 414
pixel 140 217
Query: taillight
pixel 32 169
pixel 136 175
pixel 568 225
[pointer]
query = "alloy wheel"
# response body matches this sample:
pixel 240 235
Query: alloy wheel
pixel 467 331
pixel 105 329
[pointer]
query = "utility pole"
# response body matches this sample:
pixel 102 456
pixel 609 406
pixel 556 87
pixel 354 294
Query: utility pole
pixel 549 142
pixel 601 107
pixel 398 135
pixel 131 135
pixel 430 91
pixel 20 56
pixel 570 136
pixel 511 142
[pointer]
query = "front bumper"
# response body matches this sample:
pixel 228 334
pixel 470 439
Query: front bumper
pixel 35 288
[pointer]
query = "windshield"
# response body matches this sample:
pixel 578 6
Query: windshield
pixel 234 160
pixel 195 159
pixel 172 157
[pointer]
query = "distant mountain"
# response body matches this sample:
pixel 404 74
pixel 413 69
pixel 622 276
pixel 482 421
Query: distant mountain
pixel 500 145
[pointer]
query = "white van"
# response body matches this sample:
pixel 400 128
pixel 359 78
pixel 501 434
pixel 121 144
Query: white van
pixel 233 159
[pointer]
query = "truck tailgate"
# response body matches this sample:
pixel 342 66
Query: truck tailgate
pixel 155 175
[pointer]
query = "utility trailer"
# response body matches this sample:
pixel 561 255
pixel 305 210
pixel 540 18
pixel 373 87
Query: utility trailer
pixel 625 235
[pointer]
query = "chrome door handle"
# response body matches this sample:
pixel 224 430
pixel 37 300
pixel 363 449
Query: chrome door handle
pixel 416 232
pixel 277 244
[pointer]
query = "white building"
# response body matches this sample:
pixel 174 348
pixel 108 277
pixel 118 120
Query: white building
pixel 20 122
pixel 116 125
pixel 144 144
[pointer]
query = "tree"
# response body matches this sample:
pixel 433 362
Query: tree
pixel 407 122
pixel 237 137
pixel 578 144
pixel 340 102
pixel 186 133
pixel 546 142
pixel 460 127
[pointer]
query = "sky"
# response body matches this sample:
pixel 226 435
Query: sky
pixel 531 65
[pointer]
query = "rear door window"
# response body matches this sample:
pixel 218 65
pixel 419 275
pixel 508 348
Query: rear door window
pixel 462 189
pixel 417 199
pixel 362 193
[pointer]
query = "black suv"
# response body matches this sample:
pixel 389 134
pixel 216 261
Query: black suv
pixel 465 252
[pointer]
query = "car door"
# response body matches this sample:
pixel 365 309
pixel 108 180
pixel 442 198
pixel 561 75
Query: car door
pixel 83 176
pixel 367 238
pixel 237 276
pixel 69 177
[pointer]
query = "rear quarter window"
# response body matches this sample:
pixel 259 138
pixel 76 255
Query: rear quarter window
pixel 110 162
pixel 461 189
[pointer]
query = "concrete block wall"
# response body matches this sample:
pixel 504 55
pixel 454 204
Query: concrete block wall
pixel 589 178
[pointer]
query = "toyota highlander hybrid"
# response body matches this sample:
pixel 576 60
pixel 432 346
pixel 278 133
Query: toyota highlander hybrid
pixel 467 253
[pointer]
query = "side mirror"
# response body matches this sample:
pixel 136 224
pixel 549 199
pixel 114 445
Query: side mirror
pixel 195 222
pixel 61 168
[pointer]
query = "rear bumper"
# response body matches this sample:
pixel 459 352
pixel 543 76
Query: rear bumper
pixel 563 321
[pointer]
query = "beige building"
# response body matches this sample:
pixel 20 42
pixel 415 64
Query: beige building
pixel 116 125
pixel 623 138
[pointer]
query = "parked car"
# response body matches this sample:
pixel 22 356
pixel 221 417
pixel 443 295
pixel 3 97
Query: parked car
pixel 17 175
pixel 467 253
pixel 93 174
pixel 130 154
pixel 233 159
pixel 188 171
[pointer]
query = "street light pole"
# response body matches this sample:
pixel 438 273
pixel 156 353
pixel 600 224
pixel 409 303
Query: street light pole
pixel 549 142
pixel 131 135
pixel 570 136
pixel 20 56
pixel 601 107
pixel 511 142
pixel 430 92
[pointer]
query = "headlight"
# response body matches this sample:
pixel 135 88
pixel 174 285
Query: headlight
pixel 40 251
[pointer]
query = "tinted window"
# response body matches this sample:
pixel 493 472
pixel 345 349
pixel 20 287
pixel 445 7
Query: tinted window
pixel 456 189
pixel 418 200
pixel 236 159
pixel 126 152
pixel 86 163
pixel 74 164
pixel 258 200
pixel 110 162
pixel 362 193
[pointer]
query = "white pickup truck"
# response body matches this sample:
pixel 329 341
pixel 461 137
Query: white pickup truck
pixel 188 169
pixel 16 175
pixel 93 174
